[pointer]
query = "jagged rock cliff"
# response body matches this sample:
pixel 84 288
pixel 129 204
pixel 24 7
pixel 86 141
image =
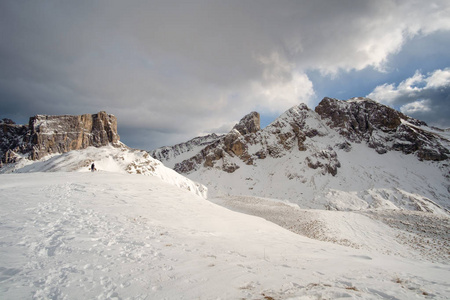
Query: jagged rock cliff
pixel 46 135
pixel 309 155
pixel 249 124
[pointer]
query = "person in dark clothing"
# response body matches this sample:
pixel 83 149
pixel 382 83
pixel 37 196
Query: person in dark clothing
pixel 92 167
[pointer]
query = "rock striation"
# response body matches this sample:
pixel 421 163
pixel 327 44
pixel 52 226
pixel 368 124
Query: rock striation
pixel 46 135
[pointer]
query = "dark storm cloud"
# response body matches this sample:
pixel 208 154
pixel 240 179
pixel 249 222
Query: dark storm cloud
pixel 174 69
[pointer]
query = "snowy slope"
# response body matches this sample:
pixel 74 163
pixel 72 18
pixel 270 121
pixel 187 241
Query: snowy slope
pixel 106 235
pixel 107 159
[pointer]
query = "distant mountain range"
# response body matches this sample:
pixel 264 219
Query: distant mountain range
pixel 345 155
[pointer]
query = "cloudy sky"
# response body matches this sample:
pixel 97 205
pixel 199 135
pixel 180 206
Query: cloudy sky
pixel 173 70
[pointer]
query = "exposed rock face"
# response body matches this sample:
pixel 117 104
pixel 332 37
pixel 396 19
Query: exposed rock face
pixel 56 134
pixel 356 119
pixel 324 159
pixel 383 128
pixel 13 138
pixel 226 146
pixel 248 124
pixel 290 131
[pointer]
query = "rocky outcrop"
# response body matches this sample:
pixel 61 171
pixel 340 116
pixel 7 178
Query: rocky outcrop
pixel 206 157
pixel 46 135
pixel 357 118
pixel 381 127
pixel 290 131
pixel 413 139
pixel 326 160
pixel 249 124
pixel 13 138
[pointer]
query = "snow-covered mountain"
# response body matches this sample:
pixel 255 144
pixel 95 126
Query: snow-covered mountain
pixel 345 155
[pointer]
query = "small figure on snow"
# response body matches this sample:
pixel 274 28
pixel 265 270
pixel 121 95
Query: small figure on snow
pixel 92 167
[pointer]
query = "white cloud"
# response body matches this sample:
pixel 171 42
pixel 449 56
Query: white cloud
pixel 278 96
pixel 411 87
pixel 425 97
pixel 438 78
pixel 281 86
pixel 416 106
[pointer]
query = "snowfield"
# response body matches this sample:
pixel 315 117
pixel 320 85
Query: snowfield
pixel 114 235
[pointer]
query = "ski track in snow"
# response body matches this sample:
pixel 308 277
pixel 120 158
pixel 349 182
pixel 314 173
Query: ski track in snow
pixel 119 236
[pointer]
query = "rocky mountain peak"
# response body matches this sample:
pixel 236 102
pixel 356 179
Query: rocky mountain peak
pixel 249 124
pixel 46 135
pixel 381 127
pixel 358 116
